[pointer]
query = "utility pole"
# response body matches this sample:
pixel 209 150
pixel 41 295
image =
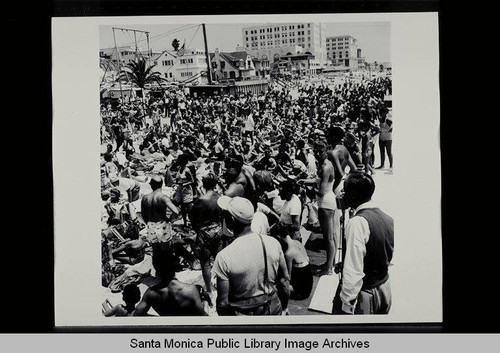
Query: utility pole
pixel 136 52
pixel 150 53
pixel 119 65
pixel 207 56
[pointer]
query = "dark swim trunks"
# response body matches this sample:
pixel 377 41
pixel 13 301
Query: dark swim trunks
pixel 209 241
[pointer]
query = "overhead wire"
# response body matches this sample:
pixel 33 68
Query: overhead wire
pixel 164 34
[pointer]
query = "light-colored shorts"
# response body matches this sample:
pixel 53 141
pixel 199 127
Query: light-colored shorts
pixel 159 232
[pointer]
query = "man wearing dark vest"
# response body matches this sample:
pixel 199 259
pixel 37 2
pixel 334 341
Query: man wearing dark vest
pixel 369 244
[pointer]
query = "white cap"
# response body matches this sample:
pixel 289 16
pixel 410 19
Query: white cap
pixel 238 207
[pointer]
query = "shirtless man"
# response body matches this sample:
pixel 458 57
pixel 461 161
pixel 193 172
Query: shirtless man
pixel 299 269
pixel 339 155
pixel 206 221
pixel 154 208
pixel 170 297
pixel 130 252
pixel 238 178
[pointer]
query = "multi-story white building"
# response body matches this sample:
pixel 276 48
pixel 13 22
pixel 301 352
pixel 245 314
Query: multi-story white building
pixel 273 40
pixel 188 68
pixel 125 54
pixel 344 51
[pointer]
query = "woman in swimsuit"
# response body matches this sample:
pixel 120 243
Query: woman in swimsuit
pixel 327 204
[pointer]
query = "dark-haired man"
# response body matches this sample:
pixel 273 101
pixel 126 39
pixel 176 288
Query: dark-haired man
pixel 238 179
pixel 365 287
pixel 339 155
pixel 170 297
pixel 154 208
pixel 206 221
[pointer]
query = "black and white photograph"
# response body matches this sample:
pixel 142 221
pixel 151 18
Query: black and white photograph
pixel 246 169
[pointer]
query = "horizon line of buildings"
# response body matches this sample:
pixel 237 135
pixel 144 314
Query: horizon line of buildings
pixel 298 48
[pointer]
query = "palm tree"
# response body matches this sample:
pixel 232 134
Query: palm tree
pixel 175 44
pixel 139 73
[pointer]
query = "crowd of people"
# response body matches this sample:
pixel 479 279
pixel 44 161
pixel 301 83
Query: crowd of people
pixel 227 184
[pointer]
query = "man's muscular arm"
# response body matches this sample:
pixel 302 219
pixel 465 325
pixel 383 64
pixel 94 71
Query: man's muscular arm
pixel 351 163
pixel 170 204
pixel 222 302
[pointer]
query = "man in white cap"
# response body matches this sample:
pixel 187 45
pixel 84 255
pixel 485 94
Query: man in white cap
pixel 240 268
pixel 129 188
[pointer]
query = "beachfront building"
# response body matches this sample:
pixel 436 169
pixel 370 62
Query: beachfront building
pixel 237 65
pixel 125 54
pixel 275 40
pixel 165 65
pixel 262 66
pixel 189 68
pixel 344 51
pixel 297 64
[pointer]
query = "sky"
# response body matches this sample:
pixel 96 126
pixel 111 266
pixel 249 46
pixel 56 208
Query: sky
pixel 374 38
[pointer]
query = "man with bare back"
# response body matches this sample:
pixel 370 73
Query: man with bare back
pixel 170 297
pixel 154 208
pixel 238 179
pixel 339 155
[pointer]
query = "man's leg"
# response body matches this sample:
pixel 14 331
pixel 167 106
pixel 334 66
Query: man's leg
pixel 382 146
pixel 388 145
